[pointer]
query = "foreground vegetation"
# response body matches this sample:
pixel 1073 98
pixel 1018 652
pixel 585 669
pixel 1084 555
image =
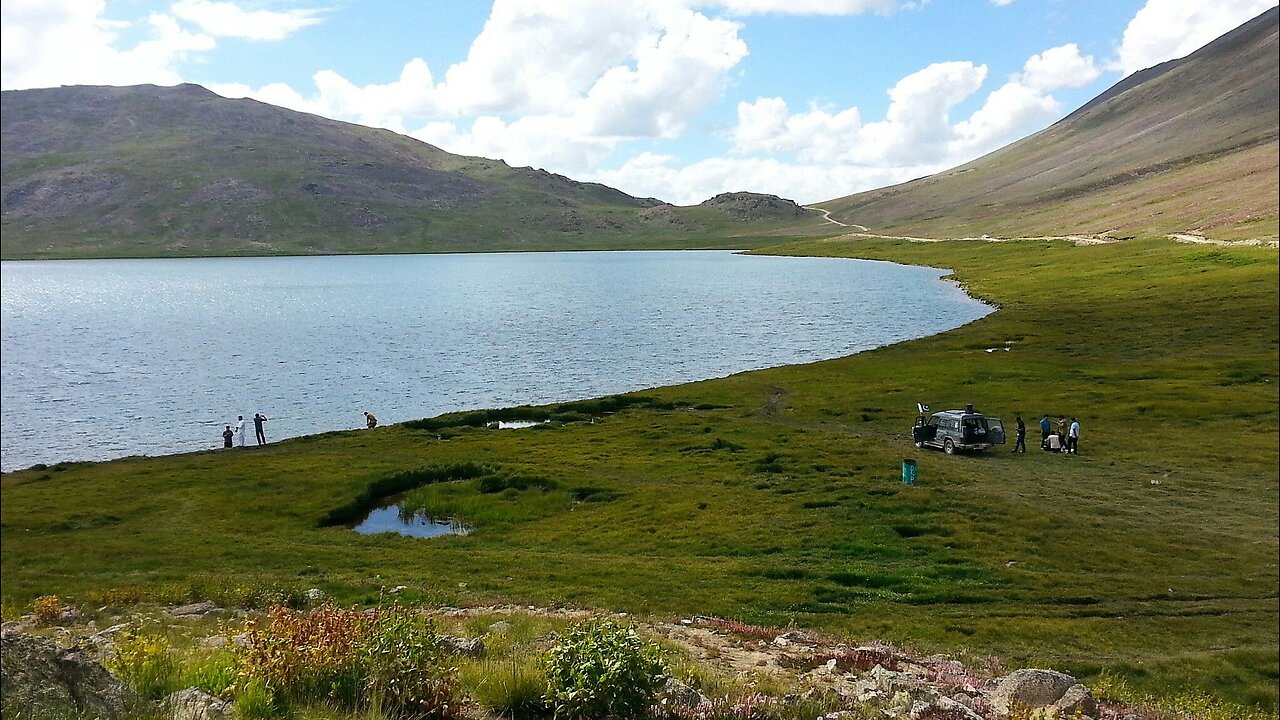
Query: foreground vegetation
pixel 774 496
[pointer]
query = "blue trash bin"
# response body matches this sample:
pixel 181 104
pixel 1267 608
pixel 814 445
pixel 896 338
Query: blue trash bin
pixel 908 471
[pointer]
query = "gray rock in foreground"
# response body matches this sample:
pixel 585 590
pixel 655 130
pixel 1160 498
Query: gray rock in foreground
pixel 39 677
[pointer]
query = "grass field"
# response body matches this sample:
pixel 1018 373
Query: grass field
pixel 775 496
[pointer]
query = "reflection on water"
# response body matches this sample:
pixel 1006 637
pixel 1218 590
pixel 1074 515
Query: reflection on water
pixel 394 519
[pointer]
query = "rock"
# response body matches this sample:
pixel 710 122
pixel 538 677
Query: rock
pixel 881 680
pixel 941 707
pixel 193 610
pixel 676 692
pixel 194 704
pixel 215 641
pixel 1030 688
pixel 794 636
pixel 70 614
pixel 1077 699
pixel 38 675
pixel 473 647
pixel 499 627
pixel 13 626
pixel 315 595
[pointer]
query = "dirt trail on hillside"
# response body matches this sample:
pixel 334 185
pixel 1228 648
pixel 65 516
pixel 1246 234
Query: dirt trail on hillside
pixel 1099 239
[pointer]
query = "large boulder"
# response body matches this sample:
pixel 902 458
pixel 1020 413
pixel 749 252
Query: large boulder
pixel 37 675
pixel 1030 688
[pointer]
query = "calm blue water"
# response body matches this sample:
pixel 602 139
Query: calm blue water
pixel 108 358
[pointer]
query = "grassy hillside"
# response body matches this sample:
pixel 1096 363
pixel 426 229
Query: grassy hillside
pixel 774 496
pixel 153 172
pixel 1186 147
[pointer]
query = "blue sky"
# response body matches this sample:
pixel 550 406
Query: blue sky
pixel 676 99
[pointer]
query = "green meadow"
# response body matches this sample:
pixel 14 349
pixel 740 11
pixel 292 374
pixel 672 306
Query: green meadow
pixel 775 497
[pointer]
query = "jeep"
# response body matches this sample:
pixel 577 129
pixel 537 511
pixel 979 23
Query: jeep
pixel 955 430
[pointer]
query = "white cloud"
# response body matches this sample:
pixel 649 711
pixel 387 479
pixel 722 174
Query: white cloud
pixel 226 19
pixel 661 176
pixel 806 7
pixel 1059 67
pixel 46 43
pixel 558 83
pixel 1168 29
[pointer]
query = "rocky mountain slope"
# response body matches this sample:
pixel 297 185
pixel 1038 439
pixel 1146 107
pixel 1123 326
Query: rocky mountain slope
pixel 154 171
pixel 1188 146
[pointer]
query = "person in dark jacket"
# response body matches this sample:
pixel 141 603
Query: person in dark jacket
pixel 1021 445
pixel 258 420
pixel 227 436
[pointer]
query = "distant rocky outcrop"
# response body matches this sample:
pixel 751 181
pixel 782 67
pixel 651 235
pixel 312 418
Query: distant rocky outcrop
pixel 36 673
pixel 755 206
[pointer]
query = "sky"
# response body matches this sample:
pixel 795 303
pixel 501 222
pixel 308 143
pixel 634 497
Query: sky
pixel 674 99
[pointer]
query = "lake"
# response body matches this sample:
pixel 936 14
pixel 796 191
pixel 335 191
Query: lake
pixel 110 358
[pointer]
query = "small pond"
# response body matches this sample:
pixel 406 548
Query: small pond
pixel 391 519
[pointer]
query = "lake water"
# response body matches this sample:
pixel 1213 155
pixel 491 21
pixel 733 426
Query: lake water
pixel 109 358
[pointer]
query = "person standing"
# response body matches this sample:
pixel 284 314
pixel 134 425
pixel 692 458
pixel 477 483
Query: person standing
pixel 240 430
pixel 258 420
pixel 226 437
pixel 1021 445
pixel 1062 430
pixel 1045 428
pixel 370 421
pixel 1073 437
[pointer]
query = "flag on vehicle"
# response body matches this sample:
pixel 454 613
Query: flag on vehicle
pixel 924 408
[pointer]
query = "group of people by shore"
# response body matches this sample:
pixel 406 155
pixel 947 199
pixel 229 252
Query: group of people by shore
pixel 1062 436
pixel 235 437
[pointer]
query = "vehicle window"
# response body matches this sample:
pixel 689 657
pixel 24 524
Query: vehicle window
pixel 934 421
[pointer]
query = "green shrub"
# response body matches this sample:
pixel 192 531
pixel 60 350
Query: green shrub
pixel 407 676
pixel 145 663
pixel 603 669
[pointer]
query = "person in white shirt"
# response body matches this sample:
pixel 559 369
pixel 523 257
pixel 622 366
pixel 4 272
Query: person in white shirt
pixel 240 430
pixel 1073 437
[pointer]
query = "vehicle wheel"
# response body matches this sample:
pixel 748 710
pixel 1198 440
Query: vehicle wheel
pixel 949 447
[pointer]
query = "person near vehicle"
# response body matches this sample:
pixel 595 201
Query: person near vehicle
pixel 258 420
pixel 1021 444
pixel 1045 428
pixel 369 420
pixel 1052 444
pixel 227 435
pixel 240 430
pixel 1062 430
pixel 1073 437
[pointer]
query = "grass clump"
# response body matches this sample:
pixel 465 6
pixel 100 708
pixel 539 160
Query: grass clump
pixel 603 669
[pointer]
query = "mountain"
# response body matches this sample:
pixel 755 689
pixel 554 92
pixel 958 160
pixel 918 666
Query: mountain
pixel 181 171
pixel 1188 146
